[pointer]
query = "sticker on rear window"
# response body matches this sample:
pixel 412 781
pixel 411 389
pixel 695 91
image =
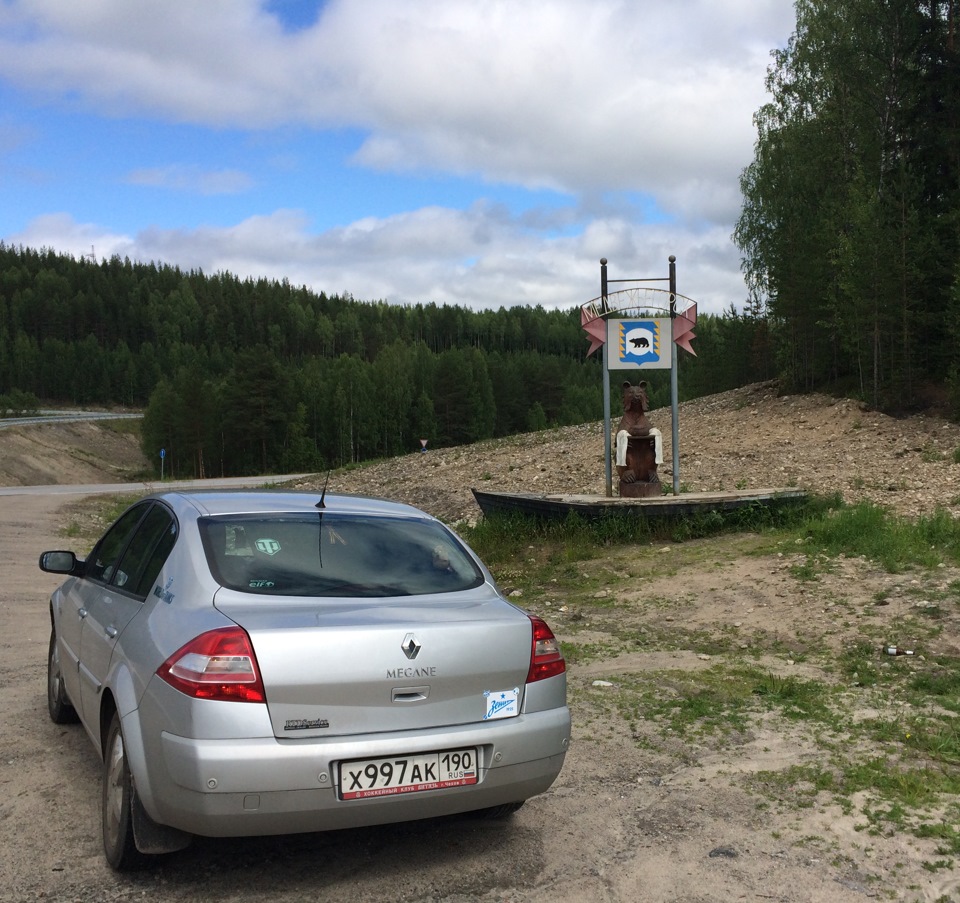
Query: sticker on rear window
pixel 501 703
pixel 268 546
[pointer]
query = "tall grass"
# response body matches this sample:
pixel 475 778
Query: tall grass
pixel 894 542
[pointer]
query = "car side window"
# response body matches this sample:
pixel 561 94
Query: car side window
pixel 103 560
pixel 147 551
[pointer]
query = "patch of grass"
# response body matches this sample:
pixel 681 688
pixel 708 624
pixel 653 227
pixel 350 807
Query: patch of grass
pixel 126 426
pixel 942 685
pixel 811 567
pixel 856 664
pixel 949 838
pixel 90 519
pixel 894 542
pixel 901 787
pixel 584 653
pixel 718 700
pixel 796 699
pixel 800 783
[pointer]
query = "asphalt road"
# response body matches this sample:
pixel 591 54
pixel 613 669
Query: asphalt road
pixel 64 417
pixel 150 487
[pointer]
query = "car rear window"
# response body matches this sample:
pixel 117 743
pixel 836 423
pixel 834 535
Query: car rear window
pixel 336 555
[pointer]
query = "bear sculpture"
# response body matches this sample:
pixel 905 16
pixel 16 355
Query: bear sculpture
pixel 639 449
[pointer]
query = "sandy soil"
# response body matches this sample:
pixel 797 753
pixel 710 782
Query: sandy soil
pixel 639 813
pixel 68 454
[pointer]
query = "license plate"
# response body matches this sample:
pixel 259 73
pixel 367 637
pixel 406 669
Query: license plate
pixel 364 778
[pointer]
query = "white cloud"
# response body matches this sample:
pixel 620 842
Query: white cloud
pixel 575 94
pixel 179 177
pixel 427 255
pixel 62 233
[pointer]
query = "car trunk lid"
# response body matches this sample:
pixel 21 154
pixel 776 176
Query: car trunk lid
pixel 345 667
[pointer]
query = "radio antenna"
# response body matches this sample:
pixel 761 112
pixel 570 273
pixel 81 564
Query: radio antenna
pixel 323 495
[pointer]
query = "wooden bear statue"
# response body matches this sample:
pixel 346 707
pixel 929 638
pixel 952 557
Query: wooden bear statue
pixel 639 448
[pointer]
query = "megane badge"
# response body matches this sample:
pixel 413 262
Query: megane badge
pixel 410 646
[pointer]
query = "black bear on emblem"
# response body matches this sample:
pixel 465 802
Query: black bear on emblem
pixel 640 342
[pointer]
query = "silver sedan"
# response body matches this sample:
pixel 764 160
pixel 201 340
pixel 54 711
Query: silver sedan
pixel 252 663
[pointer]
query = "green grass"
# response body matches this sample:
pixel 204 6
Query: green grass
pixel 90 519
pixel 126 426
pixel 895 543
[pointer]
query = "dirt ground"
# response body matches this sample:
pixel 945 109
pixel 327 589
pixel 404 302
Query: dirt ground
pixel 639 813
pixel 68 453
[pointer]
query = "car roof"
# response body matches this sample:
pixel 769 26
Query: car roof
pixel 280 501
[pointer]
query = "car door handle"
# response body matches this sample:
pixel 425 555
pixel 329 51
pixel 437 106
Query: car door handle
pixel 82 613
pixel 111 631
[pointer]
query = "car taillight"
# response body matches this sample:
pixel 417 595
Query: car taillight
pixel 219 664
pixel 546 660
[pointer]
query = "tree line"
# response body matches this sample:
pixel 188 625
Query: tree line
pixel 850 228
pixel 241 376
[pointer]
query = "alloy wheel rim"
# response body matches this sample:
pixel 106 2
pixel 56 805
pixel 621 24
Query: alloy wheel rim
pixel 53 684
pixel 113 809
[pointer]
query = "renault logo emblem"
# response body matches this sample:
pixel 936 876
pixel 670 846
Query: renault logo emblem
pixel 410 646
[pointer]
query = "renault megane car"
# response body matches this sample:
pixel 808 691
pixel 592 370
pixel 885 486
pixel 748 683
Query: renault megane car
pixel 262 662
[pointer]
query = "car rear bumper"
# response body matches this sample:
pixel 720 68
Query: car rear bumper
pixel 230 788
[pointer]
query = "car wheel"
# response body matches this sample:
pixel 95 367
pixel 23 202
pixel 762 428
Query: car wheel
pixel 503 811
pixel 58 704
pixel 117 798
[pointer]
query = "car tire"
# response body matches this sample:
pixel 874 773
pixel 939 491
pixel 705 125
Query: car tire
pixel 58 703
pixel 117 798
pixel 498 812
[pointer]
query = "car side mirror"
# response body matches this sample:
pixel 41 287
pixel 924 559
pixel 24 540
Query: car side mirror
pixel 60 563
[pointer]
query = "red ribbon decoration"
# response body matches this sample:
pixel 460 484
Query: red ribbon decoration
pixel 683 328
pixel 595 327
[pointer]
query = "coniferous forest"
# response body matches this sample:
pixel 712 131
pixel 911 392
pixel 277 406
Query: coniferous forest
pixel 850 230
pixel 248 376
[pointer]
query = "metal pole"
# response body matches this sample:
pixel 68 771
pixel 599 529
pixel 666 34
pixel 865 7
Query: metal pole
pixel 607 466
pixel 674 391
pixel 603 284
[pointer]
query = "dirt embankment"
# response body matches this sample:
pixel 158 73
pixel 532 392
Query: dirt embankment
pixel 69 454
pixel 747 438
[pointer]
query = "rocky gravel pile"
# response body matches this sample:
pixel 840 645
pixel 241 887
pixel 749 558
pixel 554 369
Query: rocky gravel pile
pixel 747 438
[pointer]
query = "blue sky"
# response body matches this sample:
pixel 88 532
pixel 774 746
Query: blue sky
pixel 473 152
